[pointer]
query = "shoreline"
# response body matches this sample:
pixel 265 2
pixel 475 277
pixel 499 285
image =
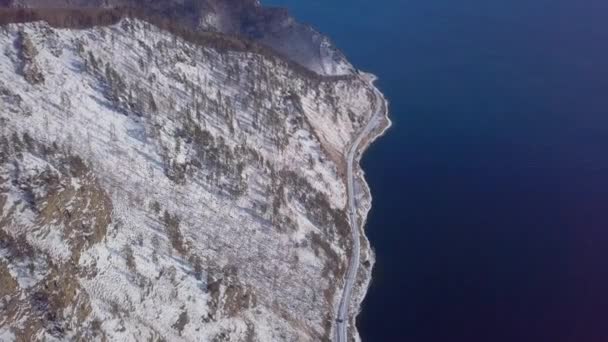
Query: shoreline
pixel 363 198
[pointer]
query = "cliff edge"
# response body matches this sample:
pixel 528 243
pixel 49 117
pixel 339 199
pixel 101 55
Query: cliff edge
pixel 170 179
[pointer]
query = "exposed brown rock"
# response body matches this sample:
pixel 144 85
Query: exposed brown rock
pixel 8 285
pixel 27 51
pixel 68 199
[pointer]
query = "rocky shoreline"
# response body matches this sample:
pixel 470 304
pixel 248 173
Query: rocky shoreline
pixel 364 203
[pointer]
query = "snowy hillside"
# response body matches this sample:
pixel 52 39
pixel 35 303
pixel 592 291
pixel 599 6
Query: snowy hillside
pixel 152 189
pixel 273 27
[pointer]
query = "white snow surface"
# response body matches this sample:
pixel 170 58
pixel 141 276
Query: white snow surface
pixel 275 280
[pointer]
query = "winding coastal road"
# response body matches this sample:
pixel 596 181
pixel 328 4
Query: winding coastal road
pixel 342 318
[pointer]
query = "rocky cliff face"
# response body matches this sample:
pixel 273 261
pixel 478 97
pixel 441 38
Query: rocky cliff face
pixel 154 188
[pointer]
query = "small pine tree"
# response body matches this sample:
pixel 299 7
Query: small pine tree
pixel 92 62
pixel 129 257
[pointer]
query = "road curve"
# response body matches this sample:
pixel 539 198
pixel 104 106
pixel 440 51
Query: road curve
pixel 342 317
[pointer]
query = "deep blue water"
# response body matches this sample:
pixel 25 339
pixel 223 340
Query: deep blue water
pixel 490 218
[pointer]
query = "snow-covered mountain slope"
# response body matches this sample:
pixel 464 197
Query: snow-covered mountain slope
pixel 273 27
pixel 152 189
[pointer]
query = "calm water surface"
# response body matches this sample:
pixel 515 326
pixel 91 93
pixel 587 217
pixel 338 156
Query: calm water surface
pixel 490 218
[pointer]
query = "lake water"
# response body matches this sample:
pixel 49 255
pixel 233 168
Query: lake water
pixel 490 218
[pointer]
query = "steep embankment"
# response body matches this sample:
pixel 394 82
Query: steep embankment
pixel 154 185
